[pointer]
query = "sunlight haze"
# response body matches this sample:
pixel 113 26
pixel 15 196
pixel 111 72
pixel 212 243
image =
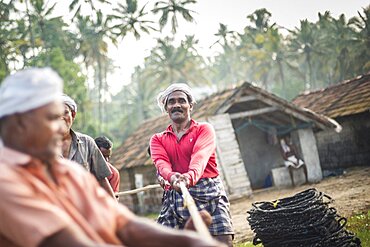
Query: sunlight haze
pixel 209 13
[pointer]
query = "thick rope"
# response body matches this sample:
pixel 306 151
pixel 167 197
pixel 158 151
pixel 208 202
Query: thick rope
pixel 194 213
pixel 145 188
pixel 304 219
pixel 188 202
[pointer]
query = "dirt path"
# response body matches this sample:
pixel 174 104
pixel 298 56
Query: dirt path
pixel 351 192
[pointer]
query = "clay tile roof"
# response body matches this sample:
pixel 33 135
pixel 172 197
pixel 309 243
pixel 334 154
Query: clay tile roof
pixel 346 98
pixel 134 149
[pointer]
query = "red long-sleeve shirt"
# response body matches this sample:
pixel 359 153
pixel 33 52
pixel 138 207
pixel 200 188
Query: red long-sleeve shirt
pixel 194 155
pixel 114 178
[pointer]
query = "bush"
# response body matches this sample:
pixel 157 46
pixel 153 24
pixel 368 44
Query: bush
pixel 359 224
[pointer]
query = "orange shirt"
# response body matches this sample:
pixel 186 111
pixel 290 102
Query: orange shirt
pixel 33 208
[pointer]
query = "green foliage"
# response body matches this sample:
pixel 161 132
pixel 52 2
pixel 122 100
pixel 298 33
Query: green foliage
pixel 74 86
pixel 359 224
pixel 3 71
pixel 166 64
pixel 130 19
pixel 10 38
pixel 172 8
pixel 313 55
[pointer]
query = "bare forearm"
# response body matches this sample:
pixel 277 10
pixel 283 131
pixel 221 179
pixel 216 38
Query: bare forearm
pixel 145 233
pixel 70 237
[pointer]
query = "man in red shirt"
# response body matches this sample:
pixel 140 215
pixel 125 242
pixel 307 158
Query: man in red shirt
pixel 186 152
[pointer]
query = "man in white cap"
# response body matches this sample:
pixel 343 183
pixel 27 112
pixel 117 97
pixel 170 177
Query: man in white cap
pixel 49 201
pixel 186 153
pixel 81 148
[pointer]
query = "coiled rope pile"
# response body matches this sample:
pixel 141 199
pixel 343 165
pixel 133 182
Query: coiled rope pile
pixel 304 219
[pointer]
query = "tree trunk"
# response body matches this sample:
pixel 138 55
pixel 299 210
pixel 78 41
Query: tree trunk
pixel 31 32
pixel 310 77
pixel 100 88
pixel 282 78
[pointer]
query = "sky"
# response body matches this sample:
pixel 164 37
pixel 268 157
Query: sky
pixel 209 13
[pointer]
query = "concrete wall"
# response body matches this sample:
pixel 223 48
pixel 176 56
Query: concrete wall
pixel 351 147
pixel 258 155
pixel 310 154
pixel 281 177
pixel 124 186
pixel 229 158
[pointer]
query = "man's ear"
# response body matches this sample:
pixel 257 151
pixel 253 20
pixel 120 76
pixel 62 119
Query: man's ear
pixel 73 115
pixel 191 106
pixel 18 122
pixel 11 128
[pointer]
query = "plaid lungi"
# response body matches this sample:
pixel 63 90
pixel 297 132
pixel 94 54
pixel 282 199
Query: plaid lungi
pixel 208 194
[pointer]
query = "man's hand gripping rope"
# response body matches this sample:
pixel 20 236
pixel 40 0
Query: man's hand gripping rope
pixel 198 222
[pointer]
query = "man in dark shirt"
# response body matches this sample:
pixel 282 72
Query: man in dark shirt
pixel 105 145
pixel 82 149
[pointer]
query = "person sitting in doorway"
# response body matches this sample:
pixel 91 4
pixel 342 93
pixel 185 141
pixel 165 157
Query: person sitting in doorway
pixel 290 156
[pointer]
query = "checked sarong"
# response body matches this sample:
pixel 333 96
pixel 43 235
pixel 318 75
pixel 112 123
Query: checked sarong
pixel 208 194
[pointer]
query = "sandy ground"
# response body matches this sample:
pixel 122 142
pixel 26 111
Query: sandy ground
pixel 351 192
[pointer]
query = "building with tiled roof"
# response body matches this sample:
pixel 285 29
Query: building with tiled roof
pixel 347 102
pixel 248 122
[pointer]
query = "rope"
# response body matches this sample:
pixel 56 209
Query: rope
pixel 188 202
pixel 304 219
pixel 194 213
pixel 145 188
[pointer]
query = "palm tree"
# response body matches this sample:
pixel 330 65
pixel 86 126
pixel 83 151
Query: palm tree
pixel 343 39
pixel 361 41
pixel 305 42
pixel 335 37
pixel 130 19
pixel 227 61
pixel 172 8
pixel 275 49
pixel 30 28
pixel 225 36
pixel 261 20
pixel 194 64
pixel 76 5
pixel 6 9
pixel 8 38
pixel 189 44
pixel 94 49
pixel 261 45
pixel 48 31
pixel 167 63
